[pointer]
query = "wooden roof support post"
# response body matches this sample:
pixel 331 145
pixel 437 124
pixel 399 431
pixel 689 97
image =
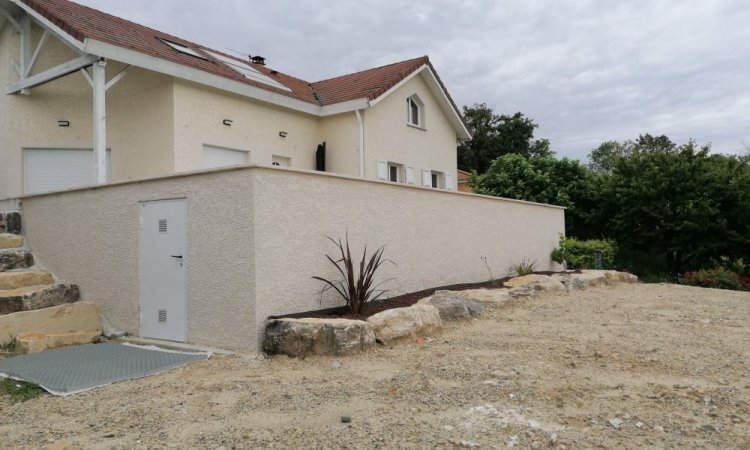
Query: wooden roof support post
pixel 99 85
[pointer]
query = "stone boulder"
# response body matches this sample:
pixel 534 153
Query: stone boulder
pixel 15 259
pixel 37 297
pixel 602 277
pixel 10 223
pixel 536 282
pixel 401 323
pixel 453 306
pixel 10 240
pixel 80 316
pixel 303 337
pixel 490 298
pixel 39 342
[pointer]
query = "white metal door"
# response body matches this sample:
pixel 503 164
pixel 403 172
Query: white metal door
pixel 163 264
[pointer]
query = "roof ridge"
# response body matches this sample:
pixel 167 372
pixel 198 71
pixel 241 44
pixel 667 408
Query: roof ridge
pixel 424 58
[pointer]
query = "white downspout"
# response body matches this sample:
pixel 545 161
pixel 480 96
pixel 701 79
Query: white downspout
pixel 361 122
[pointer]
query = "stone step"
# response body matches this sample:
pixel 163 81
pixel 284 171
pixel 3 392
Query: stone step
pixel 39 342
pixel 24 278
pixel 78 316
pixel 10 222
pixel 15 259
pixel 37 297
pixel 8 240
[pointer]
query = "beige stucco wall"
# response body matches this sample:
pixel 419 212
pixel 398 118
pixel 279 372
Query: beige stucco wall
pixel 256 236
pixel 200 110
pixel 341 134
pixel 139 113
pixel 389 138
pixel 90 237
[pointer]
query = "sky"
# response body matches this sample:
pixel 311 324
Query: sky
pixel 586 71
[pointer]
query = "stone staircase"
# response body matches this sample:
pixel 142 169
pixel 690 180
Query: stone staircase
pixel 25 289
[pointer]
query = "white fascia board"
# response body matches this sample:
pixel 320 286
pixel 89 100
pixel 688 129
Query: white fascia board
pixel 344 107
pixel 155 64
pixel 66 39
pixel 445 103
pixel 440 95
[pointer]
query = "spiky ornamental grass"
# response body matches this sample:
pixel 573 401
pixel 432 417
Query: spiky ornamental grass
pixel 356 289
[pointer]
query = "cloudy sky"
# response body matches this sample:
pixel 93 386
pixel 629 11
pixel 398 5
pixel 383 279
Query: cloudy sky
pixel 586 71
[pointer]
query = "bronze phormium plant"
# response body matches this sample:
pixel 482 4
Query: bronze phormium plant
pixel 356 289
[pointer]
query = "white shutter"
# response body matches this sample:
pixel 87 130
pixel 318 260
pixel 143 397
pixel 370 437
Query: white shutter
pixel 426 178
pixel 449 181
pixel 221 157
pixel 55 169
pixel 410 175
pixel 383 170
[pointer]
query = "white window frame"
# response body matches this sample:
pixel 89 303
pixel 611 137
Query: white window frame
pixel 399 168
pixel 437 179
pixel 286 159
pixel 412 101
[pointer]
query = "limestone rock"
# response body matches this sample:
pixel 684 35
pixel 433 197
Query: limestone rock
pixel 570 282
pixel 302 337
pixel 537 282
pixel 411 322
pixel 453 306
pixel 10 223
pixel 16 280
pixel 39 342
pixel 10 240
pixel 37 297
pixel 604 277
pixel 487 297
pixel 15 259
pixel 522 291
pixel 81 316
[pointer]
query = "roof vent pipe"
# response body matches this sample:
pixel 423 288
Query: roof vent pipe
pixel 257 59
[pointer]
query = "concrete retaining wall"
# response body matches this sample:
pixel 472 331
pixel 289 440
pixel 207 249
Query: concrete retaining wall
pixel 256 236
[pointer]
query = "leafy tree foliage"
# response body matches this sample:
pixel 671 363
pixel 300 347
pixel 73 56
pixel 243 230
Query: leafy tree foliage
pixel 675 204
pixel 544 179
pixel 496 135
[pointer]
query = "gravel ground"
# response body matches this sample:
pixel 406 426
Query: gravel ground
pixel 632 366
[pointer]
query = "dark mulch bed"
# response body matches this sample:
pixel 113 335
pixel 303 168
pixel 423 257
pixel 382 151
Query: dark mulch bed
pixel 401 301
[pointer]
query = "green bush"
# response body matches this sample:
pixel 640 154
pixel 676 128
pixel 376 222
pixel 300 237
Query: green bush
pixel 583 254
pixel 718 278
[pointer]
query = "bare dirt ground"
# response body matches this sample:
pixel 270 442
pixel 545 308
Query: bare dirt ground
pixel 630 367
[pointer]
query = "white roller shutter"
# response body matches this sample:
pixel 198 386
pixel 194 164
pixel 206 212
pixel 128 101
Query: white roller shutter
pixel 410 175
pixel 383 170
pixel 449 181
pixel 221 157
pixel 426 178
pixel 48 169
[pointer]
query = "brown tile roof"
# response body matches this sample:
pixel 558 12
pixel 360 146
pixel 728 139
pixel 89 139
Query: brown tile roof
pixel 82 22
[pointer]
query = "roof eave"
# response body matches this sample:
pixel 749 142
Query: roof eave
pixel 155 64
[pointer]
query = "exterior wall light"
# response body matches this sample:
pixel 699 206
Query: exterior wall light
pixel 283 133
pixel 227 122
pixel 63 123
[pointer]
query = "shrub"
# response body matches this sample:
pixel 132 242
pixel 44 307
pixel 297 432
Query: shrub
pixel 355 289
pixel 718 278
pixel 584 254
pixel 523 267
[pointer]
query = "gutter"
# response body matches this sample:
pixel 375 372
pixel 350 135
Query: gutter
pixel 361 123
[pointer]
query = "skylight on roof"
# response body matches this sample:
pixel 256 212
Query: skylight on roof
pixel 183 49
pixel 247 70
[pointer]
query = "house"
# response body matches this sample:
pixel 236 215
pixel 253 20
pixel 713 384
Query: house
pixel 188 192
pixel 93 98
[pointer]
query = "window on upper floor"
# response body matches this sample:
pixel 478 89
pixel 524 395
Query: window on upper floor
pixel 415 111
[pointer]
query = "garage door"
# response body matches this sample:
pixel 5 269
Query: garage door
pixel 48 169
pixel 214 156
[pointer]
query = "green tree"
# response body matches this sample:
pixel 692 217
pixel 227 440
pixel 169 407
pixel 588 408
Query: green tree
pixel 544 179
pixel 496 135
pixel 676 204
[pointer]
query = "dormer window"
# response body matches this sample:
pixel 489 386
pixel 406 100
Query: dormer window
pixel 415 112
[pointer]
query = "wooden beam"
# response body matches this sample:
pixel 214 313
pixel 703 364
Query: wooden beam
pixel 51 74
pixel 86 75
pixel 117 77
pixel 11 20
pixel 35 56
pixel 100 121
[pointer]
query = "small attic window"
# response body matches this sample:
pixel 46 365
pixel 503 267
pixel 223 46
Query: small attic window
pixel 183 49
pixel 415 112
